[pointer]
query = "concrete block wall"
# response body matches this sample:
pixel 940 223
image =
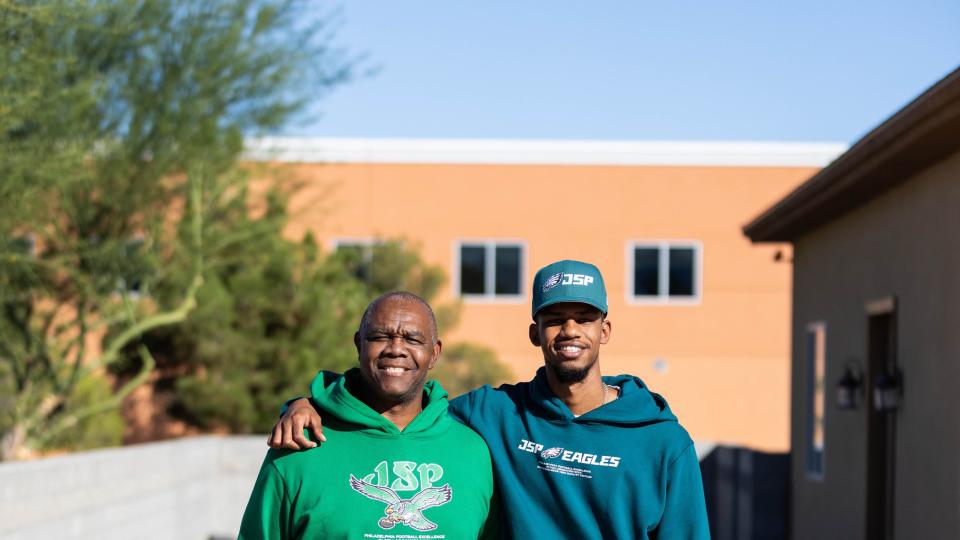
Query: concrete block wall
pixel 193 488
pixel 186 489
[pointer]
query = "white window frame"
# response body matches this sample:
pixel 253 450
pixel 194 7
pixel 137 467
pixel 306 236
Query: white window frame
pixel 664 298
pixel 31 240
pixel 368 242
pixel 810 394
pixel 365 241
pixel 123 289
pixel 490 245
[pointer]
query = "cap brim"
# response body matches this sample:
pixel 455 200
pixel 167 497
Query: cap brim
pixel 571 299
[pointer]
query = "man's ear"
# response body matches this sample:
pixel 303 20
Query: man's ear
pixel 356 341
pixel 605 330
pixel 436 355
pixel 535 334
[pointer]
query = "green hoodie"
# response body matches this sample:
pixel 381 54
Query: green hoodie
pixel 371 480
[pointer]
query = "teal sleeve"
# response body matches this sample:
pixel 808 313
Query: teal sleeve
pixel 491 527
pixel 462 408
pixel 267 516
pixel 459 409
pixel 685 512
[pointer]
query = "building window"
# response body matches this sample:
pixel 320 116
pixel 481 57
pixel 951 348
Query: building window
pixel 135 268
pixel 22 245
pixel 490 269
pixel 664 272
pixel 356 256
pixel 816 366
pixel 130 263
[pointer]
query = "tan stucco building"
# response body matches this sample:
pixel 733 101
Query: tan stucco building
pixel 698 312
pixel 875 416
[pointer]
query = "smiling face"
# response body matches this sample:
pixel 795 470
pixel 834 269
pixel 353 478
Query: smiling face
pixel 570 335
pixel 397 346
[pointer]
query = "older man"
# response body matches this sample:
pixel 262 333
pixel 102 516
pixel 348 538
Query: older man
pixel 576 454
pixel 394 464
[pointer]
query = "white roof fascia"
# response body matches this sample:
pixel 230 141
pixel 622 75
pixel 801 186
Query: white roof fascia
pixel 542 152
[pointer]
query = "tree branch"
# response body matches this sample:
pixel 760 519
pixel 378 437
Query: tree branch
pixel 112 351
pixel 72 420
pixel 189 302
pixel 81 351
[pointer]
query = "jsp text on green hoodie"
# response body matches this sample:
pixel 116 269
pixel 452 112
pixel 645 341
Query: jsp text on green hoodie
pixel 371 480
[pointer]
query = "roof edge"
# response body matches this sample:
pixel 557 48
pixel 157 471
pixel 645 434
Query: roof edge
pixel 923 132
pixel 541 152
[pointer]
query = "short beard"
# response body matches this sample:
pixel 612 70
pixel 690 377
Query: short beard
pixel 572 375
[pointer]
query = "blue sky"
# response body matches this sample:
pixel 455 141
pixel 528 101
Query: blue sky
pixel 644 70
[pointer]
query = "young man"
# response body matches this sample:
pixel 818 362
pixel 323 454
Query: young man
pixel 575 454
pixel 394 464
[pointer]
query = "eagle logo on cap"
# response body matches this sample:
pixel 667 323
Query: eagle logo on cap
pixel 552 282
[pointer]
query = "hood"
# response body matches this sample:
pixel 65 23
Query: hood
pixel 636 406
pixel 335 396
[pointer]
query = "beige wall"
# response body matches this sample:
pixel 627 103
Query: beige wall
pixel 726 356
pixel 902 244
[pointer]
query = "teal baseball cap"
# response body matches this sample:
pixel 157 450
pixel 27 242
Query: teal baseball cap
pixel 569 281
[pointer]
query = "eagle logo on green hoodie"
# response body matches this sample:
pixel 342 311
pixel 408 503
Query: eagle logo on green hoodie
pixel 406 511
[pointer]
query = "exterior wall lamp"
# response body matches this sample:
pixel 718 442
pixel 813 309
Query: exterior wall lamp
pixel 850 387
pixel 888 391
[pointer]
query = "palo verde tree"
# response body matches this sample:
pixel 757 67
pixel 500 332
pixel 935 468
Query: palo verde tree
pixel 272 312
pixel 121 124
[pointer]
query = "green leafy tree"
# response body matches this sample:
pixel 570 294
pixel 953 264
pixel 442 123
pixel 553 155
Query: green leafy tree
pixel 276 311
pixel 270 312
pixel 121 125
pixel 392 265
pixel 465 366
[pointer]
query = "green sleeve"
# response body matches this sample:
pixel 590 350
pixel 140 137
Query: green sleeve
pixel 685 512
pixel 267 516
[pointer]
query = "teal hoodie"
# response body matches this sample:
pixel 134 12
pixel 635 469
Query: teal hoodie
pixel 624 470
pixel 371 480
